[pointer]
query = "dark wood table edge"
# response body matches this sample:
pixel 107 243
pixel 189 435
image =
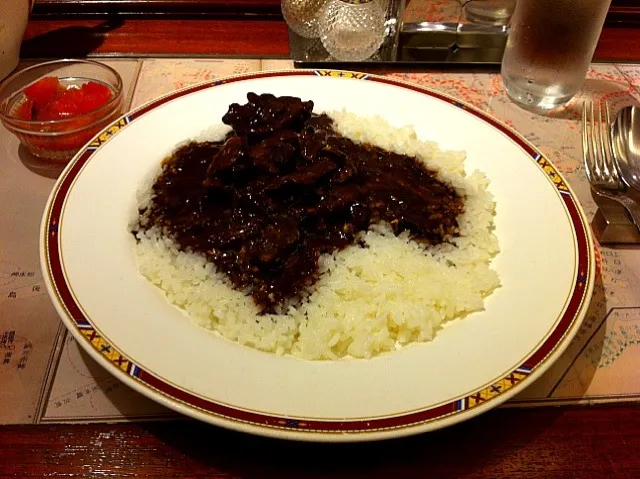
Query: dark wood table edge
pixel 546 442
pixel 219 35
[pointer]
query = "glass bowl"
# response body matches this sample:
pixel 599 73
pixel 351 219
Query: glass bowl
pixel 60 139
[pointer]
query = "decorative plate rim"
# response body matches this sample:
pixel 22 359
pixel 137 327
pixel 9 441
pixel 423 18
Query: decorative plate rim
pixel 429 418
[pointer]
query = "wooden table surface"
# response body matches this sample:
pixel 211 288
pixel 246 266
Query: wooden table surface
pixel 597 442
pixel 248 36
pixel 551 442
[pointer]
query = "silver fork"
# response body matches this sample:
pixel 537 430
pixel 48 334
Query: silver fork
pixel 599 163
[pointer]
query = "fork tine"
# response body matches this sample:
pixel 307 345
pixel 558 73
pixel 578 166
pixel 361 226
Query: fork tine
pixel 587 140
pixel 599 159
pixel 594 145
pixel 601 170
pixel 609 162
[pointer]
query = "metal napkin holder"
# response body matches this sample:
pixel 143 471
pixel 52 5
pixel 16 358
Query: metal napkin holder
pixel 611 224
pixel 408 40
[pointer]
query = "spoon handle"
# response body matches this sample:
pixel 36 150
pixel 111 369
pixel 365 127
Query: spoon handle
pixel 625 145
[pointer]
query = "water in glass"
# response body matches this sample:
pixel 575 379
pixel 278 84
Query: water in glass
pixel 549 49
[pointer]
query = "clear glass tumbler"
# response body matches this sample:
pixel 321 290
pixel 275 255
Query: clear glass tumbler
pixel 489 12
pixel 549 48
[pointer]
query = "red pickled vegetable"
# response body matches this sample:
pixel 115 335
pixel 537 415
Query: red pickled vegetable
pixel 47 99
pixel 59 109
pixel 44 90
pixel 94 96
pixel 25 110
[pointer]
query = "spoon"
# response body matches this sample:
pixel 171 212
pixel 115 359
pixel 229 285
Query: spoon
pixel 625 136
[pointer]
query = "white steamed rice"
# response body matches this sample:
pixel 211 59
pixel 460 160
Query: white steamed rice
pixel 367 300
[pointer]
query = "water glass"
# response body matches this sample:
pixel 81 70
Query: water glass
pixel 489 12
pixel 549 49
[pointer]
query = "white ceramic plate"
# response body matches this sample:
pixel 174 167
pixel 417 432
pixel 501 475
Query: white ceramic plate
pixel 546 267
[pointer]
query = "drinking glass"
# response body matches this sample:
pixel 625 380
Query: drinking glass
pixel 549 49
pixel 489 12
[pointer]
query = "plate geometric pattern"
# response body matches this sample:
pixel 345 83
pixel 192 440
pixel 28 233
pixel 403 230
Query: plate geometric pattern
pixel 497 388
pixel 552 173
pixel 102 345
pixel 108 132
pixel 53 269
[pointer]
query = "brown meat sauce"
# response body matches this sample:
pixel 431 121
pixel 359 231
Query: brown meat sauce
pixel 283 188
